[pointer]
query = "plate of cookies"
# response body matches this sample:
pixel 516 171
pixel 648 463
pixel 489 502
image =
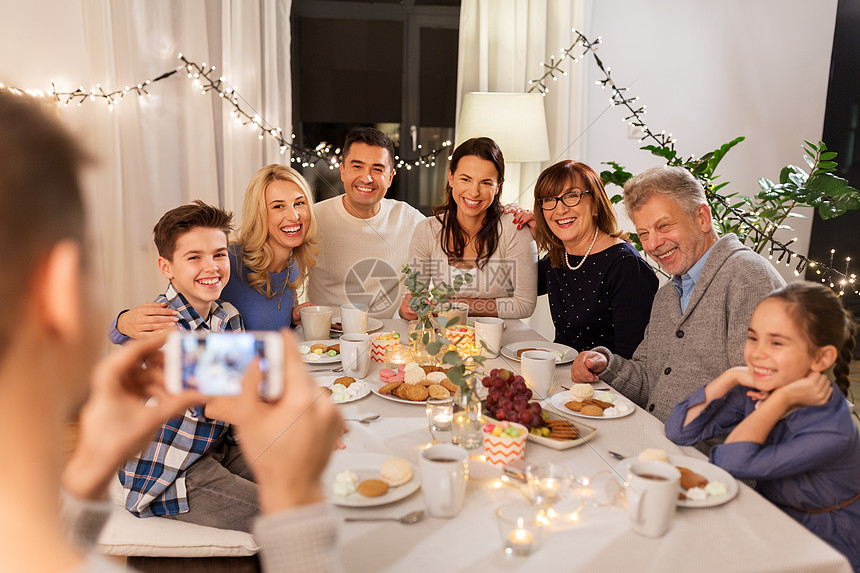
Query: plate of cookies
pixel 320 351
pixel 583 401
pixel 702 483
pixel 354 479
pixel 344 389
pixel 564 434
pixel 563 353
pixel 413 384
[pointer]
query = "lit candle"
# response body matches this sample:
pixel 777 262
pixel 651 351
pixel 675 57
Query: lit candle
pixel 521 541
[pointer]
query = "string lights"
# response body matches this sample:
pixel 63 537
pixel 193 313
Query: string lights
pixel 581 47
pixel 205 80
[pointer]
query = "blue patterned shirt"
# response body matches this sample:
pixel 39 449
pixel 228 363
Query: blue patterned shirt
pixel 154 482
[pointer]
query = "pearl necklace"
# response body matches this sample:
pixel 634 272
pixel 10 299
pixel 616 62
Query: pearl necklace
pixel 588 252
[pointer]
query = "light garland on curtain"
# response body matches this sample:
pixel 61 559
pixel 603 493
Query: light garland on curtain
pixel 581 47
pixel 204 78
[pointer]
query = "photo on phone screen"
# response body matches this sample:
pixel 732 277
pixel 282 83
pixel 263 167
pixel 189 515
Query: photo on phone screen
pixel 215 363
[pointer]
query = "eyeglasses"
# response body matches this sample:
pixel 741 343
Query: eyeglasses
pixel 571 199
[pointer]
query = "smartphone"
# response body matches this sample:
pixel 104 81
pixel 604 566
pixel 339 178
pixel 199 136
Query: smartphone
pixel 214 363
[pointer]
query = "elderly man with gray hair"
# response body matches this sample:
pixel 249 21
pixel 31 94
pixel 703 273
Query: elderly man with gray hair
pixel 698 322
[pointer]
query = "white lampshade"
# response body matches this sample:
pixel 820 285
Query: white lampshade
pixel 516 122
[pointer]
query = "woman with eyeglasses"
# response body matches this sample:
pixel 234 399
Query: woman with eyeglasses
pixel 600 290
pixel 471 233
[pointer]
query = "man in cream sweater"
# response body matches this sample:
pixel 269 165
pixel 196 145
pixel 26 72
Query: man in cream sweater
pixel 699 320
pixel 364 237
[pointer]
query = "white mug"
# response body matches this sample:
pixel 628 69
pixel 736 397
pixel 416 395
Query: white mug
pixel 316 322
pixel 443 479
pixel 355 354
pixel 538 368
pixel 353 318
pixel 652 495
pixel 489 330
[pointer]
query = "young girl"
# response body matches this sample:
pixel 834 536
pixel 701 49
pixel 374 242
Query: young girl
pixel 787 429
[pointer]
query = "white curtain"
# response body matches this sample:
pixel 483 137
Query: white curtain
pixel 155 153
pixel 502 45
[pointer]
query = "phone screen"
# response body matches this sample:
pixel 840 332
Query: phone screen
pixel 215 364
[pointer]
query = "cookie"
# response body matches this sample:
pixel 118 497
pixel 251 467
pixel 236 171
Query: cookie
pixel 321 347
pixel 521 350
pixel 448 385
pixel 386 373
pixel 591 410
pixel 437 391
pixel 390 387
pixel 372 488
pixel 335 347
pixel 599 403
pixel 412 392
pixel 395 472
pixel 574 405
pixel 336 326
pixel 345 380
pixel 690 479
pixel 436 377
pixel 414 376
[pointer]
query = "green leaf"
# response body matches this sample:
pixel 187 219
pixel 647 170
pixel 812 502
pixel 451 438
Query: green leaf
pixel 434 347
pixel 812 145
pixel 828 156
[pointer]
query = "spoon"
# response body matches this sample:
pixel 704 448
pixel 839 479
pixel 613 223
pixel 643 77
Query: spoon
pixel 338 369
pixel 365 420
pixel 407 519
pixel 616 455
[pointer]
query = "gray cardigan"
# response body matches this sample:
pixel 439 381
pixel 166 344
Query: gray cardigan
pixel 681 353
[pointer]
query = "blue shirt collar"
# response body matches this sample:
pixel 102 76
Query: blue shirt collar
pixel 687 282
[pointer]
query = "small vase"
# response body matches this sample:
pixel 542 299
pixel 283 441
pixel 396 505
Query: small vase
pixel 423 334
pixel 468 423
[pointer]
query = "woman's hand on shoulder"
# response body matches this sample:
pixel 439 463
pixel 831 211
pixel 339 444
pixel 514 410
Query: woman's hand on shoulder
pixel 522 217
pixel 146 320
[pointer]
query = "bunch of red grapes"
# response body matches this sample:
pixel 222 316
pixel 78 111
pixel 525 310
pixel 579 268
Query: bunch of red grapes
pixel 509 397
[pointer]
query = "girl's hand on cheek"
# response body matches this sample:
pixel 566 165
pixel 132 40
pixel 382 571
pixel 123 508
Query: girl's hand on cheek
pixel 758 395
pixel 812 390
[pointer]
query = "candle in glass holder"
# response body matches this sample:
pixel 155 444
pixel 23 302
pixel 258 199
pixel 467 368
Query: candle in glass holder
pixel 396 355
pixel 520 542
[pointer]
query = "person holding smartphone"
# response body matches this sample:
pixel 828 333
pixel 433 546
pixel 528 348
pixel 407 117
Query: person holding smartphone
pixel 54 505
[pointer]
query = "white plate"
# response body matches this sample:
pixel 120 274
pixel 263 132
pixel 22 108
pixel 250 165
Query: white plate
pixel 510 350
pixel 365 466
pixel 373 324
pixel 557 402
pixel 327 381
pixel 586 432
pixel 323 359
pixel 713 473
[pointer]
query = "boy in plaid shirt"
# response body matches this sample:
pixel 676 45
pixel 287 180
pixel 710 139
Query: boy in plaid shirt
pixel 193 471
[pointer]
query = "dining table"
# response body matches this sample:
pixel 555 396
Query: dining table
pixel 747 533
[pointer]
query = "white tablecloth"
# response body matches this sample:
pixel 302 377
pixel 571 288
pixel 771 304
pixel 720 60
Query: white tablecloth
pixel 746 534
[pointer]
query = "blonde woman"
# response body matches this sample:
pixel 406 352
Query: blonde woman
pixel 275 248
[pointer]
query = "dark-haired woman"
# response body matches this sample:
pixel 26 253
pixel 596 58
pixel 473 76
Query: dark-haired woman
pixel 600 290
pixel 470 233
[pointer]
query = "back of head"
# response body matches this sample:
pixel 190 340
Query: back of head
pixel 180 220
pixel 676 183
pixel 818 312
pixel 40 196
pixel 369 136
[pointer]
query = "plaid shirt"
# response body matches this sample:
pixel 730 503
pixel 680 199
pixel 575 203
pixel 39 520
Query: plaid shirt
pixel 154 482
